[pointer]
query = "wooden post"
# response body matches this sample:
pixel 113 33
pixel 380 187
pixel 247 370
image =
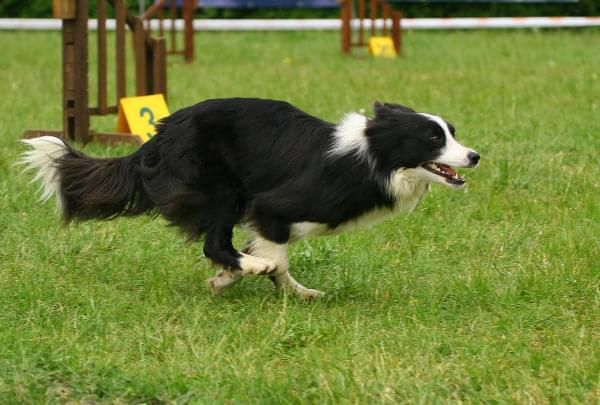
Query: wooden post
pixel 139 41
pixel 373 15
pixel 76 119
pixel 102 98
pixel 188 32
pixel 63 9
pixel 159 66
pixel 161 17
pixel 345 16
pixel 385 11
pixel 361 22
pixel 173 30
pixel 120 49
pixel 149 52
pixel 397 31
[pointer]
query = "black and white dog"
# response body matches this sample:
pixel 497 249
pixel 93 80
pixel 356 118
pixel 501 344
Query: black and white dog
pixel 266 165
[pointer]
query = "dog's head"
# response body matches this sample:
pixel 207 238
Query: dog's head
pixel 425 144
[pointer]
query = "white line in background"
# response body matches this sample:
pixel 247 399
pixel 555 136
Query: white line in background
pixel 326 24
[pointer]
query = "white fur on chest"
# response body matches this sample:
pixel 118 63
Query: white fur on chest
pixel 407 193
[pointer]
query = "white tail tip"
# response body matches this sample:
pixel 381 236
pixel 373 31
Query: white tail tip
pixel 42 157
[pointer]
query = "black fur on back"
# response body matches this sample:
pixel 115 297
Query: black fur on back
pixel 259 160
pixel 226 161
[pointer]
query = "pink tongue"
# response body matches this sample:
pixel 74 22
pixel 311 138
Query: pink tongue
pixel 447 169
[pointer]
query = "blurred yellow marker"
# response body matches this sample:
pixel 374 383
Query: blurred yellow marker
pixel 382 47
pixel 139 115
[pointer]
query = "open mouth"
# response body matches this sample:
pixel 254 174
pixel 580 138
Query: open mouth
pixel 446 172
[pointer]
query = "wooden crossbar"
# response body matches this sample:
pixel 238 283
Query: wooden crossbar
pixel 187 13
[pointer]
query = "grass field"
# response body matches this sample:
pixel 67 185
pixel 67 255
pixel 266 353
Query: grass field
pixel 491 294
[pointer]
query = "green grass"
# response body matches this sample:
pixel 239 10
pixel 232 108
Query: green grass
pixel 490 294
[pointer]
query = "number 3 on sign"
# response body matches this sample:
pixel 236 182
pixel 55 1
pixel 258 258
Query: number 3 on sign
pixel 143 112
pixel 139 115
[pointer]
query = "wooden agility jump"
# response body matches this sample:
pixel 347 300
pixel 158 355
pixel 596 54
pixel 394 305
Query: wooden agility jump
pixel 378 9
pixel 149 56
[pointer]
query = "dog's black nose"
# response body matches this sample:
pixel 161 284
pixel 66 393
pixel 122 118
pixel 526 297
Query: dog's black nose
pixel 473 158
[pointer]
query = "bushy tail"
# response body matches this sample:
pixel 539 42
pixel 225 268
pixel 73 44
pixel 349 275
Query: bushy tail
pixel 86 187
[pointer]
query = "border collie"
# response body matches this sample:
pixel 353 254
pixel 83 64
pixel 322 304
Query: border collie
pixel 277 171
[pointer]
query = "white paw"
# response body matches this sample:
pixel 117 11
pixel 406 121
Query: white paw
pixel 222 280
pixel 287 283
pixel 256 265
pixel 309 293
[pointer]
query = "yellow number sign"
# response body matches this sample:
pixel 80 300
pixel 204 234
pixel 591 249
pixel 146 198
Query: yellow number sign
pixel 382 46
pixel 138 115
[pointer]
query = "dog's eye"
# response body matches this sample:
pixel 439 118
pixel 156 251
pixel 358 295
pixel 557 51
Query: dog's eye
pixel 436 138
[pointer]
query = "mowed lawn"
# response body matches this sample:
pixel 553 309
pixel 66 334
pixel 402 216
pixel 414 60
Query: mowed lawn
pixel 487 294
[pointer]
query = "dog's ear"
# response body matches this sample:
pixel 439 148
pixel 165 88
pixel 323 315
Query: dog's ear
pixel 380 108
pixel 399 107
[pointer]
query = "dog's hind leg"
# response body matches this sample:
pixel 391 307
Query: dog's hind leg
pixel 278 253
pixel 218 248
pixel 223 279
pixel 285 282
pixel 227 277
